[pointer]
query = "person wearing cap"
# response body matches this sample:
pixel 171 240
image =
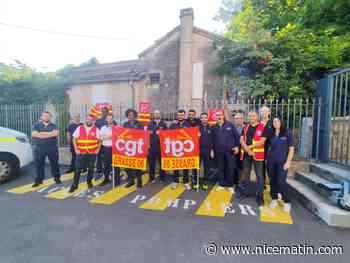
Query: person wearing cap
pixel 180 122
pixel 87 144
pixel 133 123
pixel 279 158
pixel 225 145
pixel 106 137
pixel 154 126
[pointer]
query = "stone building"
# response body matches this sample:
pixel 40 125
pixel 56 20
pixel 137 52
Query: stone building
pixel 176 71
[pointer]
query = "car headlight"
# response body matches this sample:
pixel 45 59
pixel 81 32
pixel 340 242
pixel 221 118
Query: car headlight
pixel 22 139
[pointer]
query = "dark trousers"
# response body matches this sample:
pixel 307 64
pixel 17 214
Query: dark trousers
pixel 237 172
pixel 153 157
pixel 99 161
pixel 73 158
pixel 278 180
pixel 40 155
pixel 226 166
pixel 132 174
pixel 177 175
pixel 107 165
pixel 83 162
pixel 204 159
pixel 248 163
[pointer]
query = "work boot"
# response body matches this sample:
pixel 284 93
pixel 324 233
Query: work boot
pixel 36 184
pixel 72 189
pixel 129 184
pixel 90 185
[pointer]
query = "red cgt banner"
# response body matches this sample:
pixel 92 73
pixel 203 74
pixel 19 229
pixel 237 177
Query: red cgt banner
pixel 179 149
pixel 130 148
pixel 212 115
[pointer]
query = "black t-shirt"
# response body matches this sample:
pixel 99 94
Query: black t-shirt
pixel 72 127
pixel 47 142
pixel 251 132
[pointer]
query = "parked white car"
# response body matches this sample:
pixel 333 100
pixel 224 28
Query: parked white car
pixel 15 153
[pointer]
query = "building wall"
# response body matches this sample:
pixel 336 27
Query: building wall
pixel 119 94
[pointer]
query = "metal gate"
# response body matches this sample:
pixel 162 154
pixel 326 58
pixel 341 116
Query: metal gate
pixel 334 90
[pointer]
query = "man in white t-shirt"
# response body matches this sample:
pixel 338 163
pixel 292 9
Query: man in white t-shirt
pixel 86 141
pixel 106 137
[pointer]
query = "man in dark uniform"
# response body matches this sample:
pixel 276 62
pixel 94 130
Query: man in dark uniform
pixel 70 130
pixel 131 114
pixel 99 123
pixel 45 135
pixel 225 144
pixel 206 148
pixel 154 153
pixel 181 122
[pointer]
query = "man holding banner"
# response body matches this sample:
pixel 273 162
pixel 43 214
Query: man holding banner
pixel 180 123
pixel 154 126
pixel 180 151
pixel 133 172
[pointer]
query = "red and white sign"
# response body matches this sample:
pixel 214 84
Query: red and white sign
pixel 130 148
pixel 179 149
pixel 212 113
pixel 144 115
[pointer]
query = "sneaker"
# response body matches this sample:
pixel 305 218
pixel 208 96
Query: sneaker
pixel 104 182
pixel 36 184
pixel 90 185
pixel 187 186
pixel 174 185
pixel 129 184
pixel 231 189
pixel 72 189
pixel 287 207
pixel 273 204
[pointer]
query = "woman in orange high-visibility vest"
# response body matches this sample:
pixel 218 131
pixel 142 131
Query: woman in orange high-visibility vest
pixel 252 142
pixel 86 144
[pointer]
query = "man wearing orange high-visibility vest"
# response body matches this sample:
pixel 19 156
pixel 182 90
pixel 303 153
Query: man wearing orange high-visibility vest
pixel 87 144
pixel 252 140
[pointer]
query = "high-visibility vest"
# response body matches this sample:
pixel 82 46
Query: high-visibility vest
pixel 259 152
pixel 87 143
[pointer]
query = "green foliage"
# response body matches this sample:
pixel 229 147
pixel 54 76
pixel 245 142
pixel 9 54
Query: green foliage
pixel 278 48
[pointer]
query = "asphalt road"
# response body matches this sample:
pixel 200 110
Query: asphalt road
pixel 38 229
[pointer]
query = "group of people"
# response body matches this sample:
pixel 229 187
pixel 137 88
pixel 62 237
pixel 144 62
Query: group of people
pixel 232 148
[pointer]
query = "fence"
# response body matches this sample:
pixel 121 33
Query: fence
pixel 298 115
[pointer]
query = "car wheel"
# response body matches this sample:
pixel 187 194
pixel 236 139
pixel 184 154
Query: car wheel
pixel 9 167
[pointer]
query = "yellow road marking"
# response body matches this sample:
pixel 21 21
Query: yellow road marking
pixel 275 215
pixel 63 193
pixel 117 193
pixel 215 203
pixel 164 198
pixel 28 187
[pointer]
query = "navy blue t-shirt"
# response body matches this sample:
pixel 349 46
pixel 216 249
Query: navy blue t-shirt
pixel 279 146
pixel 47 142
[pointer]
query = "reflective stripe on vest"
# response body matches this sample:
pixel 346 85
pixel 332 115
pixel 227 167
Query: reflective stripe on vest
pixel 87 142
pixel 259 152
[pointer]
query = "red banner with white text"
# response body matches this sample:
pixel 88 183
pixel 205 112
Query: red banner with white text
pixel 179 149
pixel 130 148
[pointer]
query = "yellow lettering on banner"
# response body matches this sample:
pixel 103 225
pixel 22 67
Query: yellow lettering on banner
pixel 163 199
pixel 28 187
pixel 129 162
pixel 63 193
pixel 170 164
pixel 112 196
pixel 275 215
pixel 215 203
